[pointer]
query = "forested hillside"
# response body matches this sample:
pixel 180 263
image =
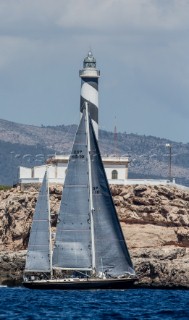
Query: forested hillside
pixel 29 145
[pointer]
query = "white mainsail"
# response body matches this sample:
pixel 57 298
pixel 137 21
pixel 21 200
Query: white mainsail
pixel 38 257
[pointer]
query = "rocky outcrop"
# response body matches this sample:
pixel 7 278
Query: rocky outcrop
pixel 154 220
pixel 16 211
pixel 11 267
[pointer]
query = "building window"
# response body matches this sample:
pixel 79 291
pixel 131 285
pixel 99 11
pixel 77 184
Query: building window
pixel 114 174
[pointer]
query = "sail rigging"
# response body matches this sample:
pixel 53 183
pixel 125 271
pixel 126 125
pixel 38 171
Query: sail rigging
pixel 89 236
pixel 39 248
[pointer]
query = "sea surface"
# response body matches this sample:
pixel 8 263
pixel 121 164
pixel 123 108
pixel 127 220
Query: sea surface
pixel 21 304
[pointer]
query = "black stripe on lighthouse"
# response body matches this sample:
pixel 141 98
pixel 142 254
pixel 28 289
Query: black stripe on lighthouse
pixel 89 93
pixel 93 110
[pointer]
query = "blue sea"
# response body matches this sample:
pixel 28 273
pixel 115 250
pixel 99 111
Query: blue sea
pixel 24 304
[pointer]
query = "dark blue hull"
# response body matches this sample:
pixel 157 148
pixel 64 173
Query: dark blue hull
pixel 81 284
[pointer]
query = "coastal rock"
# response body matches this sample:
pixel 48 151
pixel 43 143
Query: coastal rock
pixel 154 220
pixel 12 266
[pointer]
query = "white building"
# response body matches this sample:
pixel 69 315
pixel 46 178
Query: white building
pixel 116 170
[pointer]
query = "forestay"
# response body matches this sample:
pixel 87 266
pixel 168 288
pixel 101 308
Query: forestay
pixel 72 248
pixel 39 252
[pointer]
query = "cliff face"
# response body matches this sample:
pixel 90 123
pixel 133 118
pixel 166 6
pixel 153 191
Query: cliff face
pixel 154 220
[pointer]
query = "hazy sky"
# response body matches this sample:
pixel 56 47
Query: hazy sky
pixel 142 51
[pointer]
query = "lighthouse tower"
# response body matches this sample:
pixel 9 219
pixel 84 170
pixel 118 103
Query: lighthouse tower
pixel 89 88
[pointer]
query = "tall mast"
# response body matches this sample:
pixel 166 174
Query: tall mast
pixel 90 191
pixel 49 218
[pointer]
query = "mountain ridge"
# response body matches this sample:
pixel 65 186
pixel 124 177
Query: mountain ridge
pixel 149 157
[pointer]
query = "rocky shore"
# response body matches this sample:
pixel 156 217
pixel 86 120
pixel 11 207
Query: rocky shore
pixel 155 221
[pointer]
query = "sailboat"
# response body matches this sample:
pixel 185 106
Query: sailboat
pixel 90 251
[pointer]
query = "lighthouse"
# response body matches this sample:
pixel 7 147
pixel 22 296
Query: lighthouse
pixel 116 167
pixel 89 88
